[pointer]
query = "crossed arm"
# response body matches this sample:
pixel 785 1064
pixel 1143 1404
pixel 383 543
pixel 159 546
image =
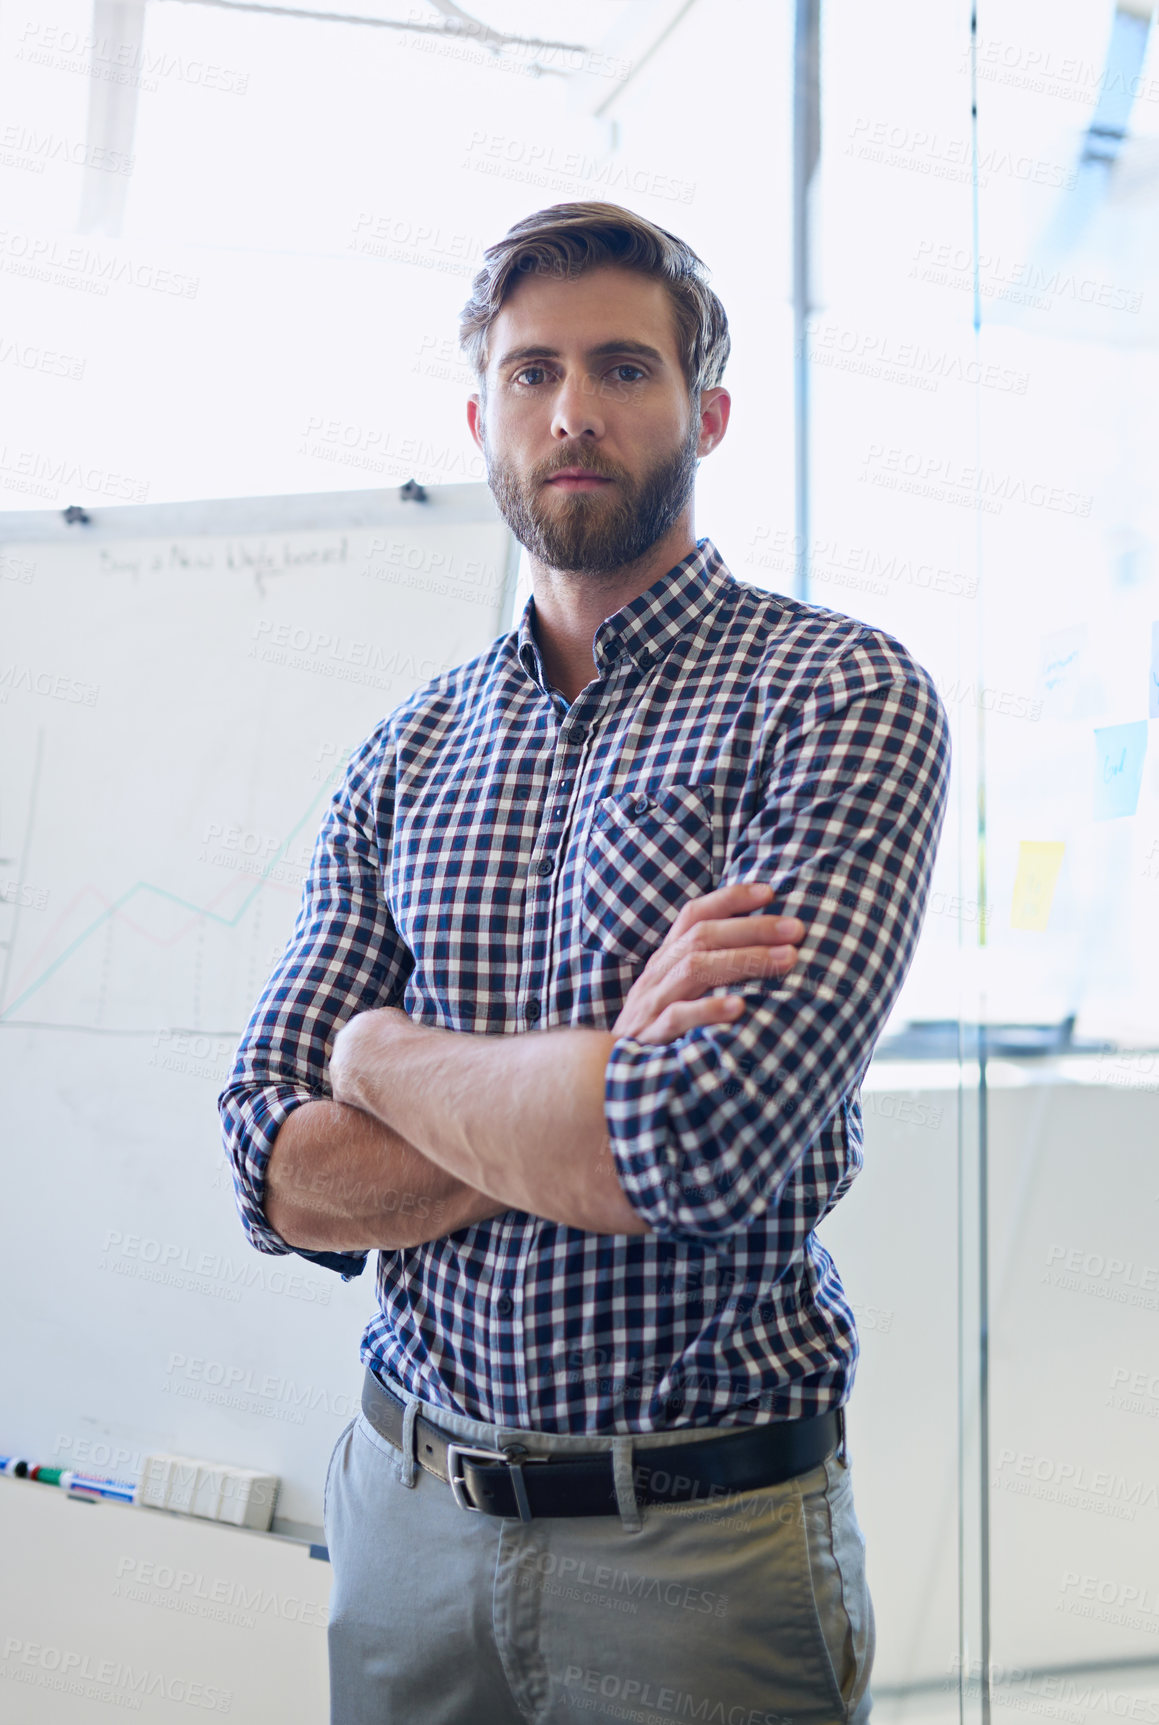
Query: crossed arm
pixel 430 1131
pixel 519 1118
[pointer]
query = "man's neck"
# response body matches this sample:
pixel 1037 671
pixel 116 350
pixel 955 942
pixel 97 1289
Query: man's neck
pixel 570 607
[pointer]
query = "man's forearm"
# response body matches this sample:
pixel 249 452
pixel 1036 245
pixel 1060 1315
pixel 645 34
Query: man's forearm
pixel 340 1180
pixel 520 1117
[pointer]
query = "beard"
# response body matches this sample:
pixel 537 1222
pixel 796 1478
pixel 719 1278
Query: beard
pixel 594 532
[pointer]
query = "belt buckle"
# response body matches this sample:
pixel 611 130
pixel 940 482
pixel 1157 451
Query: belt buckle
pixel 512 1461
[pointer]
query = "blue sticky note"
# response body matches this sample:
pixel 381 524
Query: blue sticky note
pixel 1153 677
pixel 1119 751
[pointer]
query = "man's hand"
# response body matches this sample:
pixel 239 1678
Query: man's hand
pixel 361 1037
pixel 712 941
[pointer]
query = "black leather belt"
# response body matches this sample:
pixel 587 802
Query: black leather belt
pixel 509 1481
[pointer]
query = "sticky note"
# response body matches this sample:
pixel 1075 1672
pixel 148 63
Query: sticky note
pixel 1119 751
pixel 1153 676
pixel 1060 668
pixel 1034 883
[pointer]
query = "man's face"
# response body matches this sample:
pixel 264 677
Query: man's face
pixel 586 374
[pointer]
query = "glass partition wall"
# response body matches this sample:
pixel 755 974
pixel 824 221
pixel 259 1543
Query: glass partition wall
pixel 1065 274
pixel 984 394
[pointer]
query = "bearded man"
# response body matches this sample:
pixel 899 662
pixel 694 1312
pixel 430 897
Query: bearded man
pixel 599 934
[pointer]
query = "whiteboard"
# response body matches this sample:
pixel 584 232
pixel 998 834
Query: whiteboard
pixel 180 688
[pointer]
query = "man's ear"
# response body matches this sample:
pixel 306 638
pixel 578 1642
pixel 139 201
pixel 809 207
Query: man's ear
pixel 475 417
pixel 715 404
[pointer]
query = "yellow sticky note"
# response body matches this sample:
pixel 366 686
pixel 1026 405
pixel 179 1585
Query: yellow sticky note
pixel 1034 883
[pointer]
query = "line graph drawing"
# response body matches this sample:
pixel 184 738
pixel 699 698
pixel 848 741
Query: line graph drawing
pixel 22 867
pixel 115 908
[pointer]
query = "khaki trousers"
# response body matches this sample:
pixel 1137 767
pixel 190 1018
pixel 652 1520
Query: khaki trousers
pixel 746 1610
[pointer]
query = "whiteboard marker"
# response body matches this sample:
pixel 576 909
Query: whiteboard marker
pixel 76 1484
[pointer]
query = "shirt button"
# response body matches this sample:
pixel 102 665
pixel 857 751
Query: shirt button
pixel 576 734
pixel 544 865
pixel 505 1305
pixel 642 805
pixel 532 1010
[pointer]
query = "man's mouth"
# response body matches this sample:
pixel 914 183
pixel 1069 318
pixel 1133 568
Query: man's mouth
pixel 578 479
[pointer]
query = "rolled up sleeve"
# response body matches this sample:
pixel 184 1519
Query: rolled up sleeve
pixel 343 956
pixel 706 1130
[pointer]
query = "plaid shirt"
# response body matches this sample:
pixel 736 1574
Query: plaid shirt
pixel 498 862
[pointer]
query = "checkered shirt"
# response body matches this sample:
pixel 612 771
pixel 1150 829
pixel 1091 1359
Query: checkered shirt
pixel 498 862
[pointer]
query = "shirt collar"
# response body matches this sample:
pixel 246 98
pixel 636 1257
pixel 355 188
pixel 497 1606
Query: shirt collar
pixel 645 628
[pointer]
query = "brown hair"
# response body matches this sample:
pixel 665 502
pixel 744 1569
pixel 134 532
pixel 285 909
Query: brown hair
pixel 567 239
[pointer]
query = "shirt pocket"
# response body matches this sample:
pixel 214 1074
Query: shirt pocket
pixel 649 850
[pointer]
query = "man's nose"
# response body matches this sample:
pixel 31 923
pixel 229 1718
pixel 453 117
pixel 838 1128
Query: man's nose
pixel 577 407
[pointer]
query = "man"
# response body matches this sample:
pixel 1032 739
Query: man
pixel 600 1465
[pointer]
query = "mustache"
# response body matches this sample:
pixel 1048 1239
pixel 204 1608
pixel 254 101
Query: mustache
pixel 545 472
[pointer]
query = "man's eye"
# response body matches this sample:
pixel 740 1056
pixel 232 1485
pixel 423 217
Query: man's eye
pixel 627 366
pixel 520 375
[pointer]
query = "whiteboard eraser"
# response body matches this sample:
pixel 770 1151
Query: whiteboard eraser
pixel 181 1484
pixel 243 1497
pixel 153 1485
pixel 247 1498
